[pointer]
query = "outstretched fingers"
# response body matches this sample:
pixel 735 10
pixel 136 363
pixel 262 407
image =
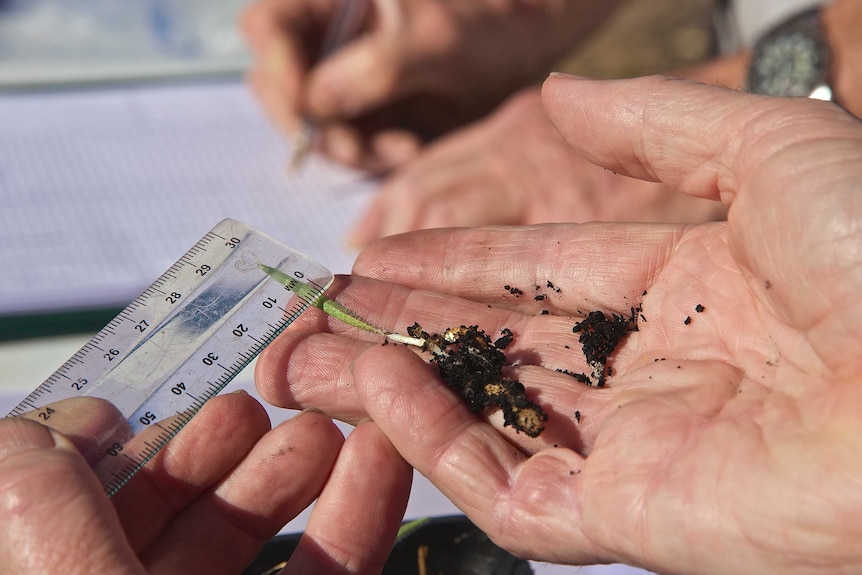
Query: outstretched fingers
pixel 356 518
pixel 563 269
pixel 279 476
pixel 790 170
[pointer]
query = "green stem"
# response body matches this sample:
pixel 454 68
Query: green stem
pixel 409 527
pixel 333 308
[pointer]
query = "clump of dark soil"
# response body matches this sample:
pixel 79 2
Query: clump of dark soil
pixel 472 364
pixel 599 337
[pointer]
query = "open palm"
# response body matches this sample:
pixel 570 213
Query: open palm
pixel 728 439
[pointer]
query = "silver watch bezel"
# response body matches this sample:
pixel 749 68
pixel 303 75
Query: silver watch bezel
pixel 808 26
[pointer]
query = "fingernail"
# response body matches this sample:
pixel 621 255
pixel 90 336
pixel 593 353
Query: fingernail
pixel 566 76
pixel 311 410
pixel 61 441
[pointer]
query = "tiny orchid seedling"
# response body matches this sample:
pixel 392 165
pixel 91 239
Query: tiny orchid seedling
pixel 339 312
pixel 472 365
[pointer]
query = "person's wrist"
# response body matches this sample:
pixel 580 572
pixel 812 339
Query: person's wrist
pixel 842 21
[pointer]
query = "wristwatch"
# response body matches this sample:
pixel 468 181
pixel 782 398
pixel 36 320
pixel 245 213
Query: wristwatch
pixel 793 59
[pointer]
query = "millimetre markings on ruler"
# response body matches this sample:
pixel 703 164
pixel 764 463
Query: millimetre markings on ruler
pixel 142 378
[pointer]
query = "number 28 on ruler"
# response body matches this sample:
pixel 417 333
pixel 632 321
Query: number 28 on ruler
pixel 137 382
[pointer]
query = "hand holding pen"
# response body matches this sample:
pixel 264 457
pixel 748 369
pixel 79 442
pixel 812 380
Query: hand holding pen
pixel 420 69
pixel 346 25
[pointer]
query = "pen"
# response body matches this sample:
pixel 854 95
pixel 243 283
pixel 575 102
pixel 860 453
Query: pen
pixel 344 27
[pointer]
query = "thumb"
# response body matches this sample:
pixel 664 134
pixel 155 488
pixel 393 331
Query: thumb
pixel 650 128
pixel 704 140
pixel 790 168
pixel 54 515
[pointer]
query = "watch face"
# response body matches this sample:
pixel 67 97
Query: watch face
pixel 790 62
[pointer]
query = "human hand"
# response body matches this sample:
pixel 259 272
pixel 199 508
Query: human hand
pixel 207 501
pixel 420 68
pixel 725 444
pixel 515 168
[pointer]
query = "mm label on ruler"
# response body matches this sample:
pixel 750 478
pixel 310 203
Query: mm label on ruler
pixel 137 382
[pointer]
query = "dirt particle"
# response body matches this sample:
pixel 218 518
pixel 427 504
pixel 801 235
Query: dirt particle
pixel 687 320
pixel 505 338
pixel 599 337
pixel 470 364
pixel 699 308
pixel 578 416
pixel 513 290
pixel 581 377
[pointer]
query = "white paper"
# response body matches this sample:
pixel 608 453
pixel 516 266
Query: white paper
pixel 101 191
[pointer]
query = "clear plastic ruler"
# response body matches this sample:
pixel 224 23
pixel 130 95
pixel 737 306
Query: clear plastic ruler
pixel 142 378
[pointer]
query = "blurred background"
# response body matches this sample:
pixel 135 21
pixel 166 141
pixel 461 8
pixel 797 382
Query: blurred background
pixel 647 37
pixel 56 41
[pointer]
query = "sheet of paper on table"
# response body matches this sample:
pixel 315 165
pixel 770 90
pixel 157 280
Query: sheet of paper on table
pixel 102 190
